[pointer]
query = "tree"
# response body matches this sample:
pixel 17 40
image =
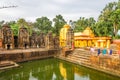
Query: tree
pixel 115 18
pixel 59 22
pixel 22 22
pixel 107 20
pixel 15 29
pixel 43 24
pixel 29 25
pixel 101 28
pixel 82 23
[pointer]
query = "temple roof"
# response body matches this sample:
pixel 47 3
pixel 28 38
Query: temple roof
pixel 87 32
pixel 66 26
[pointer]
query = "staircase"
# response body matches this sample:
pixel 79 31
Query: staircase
pixel 7 64
pixel 80 56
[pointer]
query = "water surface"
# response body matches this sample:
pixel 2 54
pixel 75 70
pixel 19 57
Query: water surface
pixel 53 69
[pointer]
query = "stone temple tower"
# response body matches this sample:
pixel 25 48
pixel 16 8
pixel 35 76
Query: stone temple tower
pixel 7 37
pixel 23 38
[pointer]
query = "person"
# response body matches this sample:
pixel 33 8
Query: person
pixel 104 51
pixel 92 50
pixel 109 51
pixel 98 51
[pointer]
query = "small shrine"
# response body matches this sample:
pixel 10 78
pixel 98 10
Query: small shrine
pixel 66 37
pixel 56 42
pixel 33 40
pixel 23 38
pixel 49 41
pixel 41 40
pixel 6 37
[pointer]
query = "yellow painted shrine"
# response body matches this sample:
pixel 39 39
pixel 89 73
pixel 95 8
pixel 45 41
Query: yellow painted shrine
pixel 87 39
pixel 63 36
pixel 84 39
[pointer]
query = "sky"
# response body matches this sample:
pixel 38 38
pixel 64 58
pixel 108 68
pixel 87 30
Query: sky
pixel 69 9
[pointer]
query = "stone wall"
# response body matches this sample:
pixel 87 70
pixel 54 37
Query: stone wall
pixel 26 55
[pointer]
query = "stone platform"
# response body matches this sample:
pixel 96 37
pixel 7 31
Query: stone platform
pixel 21 55
pixel 7 65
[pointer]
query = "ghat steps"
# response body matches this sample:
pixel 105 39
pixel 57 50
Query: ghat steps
pixel 80 56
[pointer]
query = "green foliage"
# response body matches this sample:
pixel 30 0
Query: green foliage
pixel 103 29
pixel 15 29
pixel 109 20
pixel 82 23
pixel 43 24
pixel 29 25
pixel 59 22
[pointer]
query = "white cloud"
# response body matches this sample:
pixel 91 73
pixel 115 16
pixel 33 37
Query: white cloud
pixel 70 9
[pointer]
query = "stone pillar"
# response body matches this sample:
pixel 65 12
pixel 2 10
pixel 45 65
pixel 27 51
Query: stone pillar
pixel 102 44
pixel 108 43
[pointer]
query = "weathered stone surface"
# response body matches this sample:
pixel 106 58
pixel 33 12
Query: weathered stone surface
pixel 41 40
pixel 33 40
pixel 69 38
pixel 7 37
pixel 23 38
pixel 49 41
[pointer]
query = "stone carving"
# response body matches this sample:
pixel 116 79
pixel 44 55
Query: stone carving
pixel 23 38
pixel 69 38
pixel 34 40
pixel 56 42
pixel 8 39
pixel 49 41
pixel 1 37
pixel 41 40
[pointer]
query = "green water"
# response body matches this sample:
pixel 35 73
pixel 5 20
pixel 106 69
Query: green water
pixel 53 69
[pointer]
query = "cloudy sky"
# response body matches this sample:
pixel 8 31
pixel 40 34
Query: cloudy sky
pixel 69 9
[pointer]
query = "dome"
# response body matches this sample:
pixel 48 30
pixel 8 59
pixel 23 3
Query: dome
pixel 88 32
pixel 66 26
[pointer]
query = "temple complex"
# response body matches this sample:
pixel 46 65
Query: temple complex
pixel 82 39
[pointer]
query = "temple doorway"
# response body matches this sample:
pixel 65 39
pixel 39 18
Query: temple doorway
pixel 16 41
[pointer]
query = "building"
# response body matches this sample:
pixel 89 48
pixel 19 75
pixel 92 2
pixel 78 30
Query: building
pixel 88 39
pixel 82 39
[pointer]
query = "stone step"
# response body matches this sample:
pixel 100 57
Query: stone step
pixel 7 65
pixel 76 58
pixel 81 57
pixel 87 55
pixel 80 61
pixel 81 53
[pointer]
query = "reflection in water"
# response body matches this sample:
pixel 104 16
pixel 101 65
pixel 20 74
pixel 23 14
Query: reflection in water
pixel 53 69
pixel 63 71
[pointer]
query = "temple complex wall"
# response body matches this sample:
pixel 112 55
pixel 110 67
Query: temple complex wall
pixel 24 40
